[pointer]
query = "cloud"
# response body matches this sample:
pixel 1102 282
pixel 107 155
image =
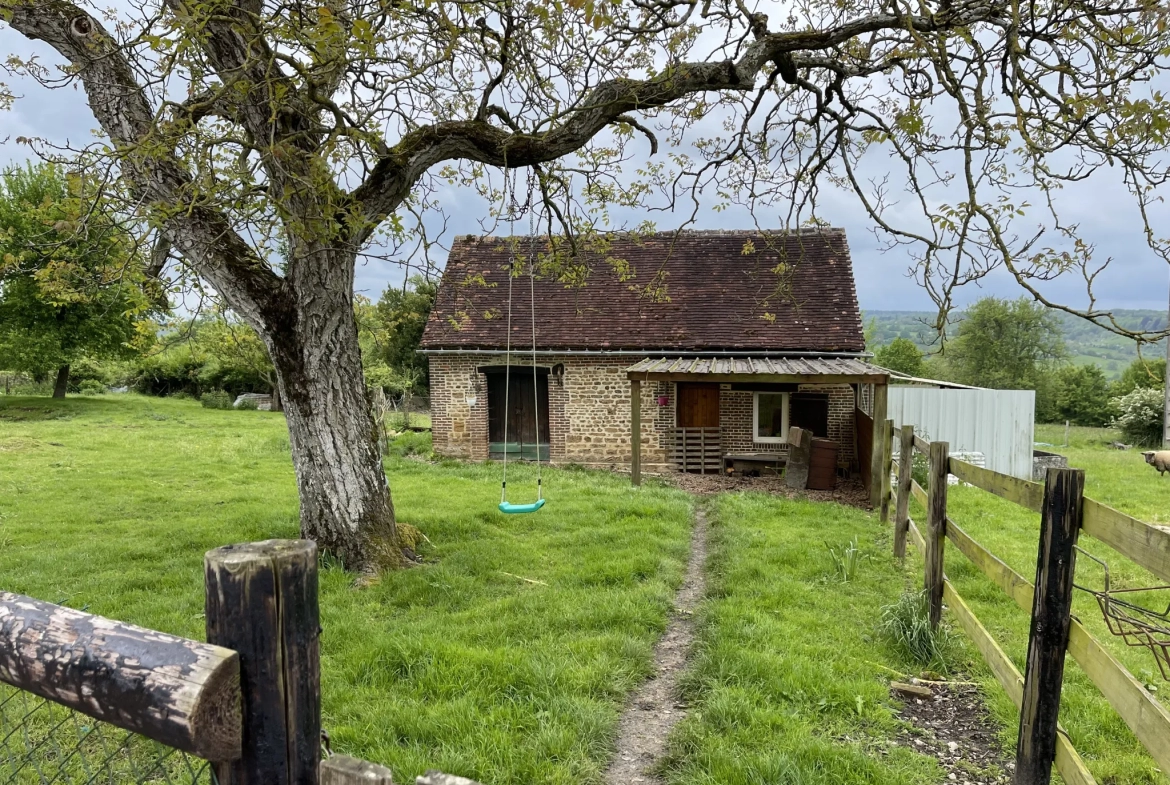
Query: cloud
pixel 1101 207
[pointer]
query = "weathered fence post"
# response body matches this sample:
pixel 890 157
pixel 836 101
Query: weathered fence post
pixel 905 474
pixel 887 467
pixel 1060 525
pixel 877 457
pixel 262 602
pixel 936 528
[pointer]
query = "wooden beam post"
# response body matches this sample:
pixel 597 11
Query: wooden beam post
pixel 262 602
pixel 636 432
pixel 182 693
pixel 905 474
pixel 936 528
pixel 1060 524
pixel 877 456
pixel 887 467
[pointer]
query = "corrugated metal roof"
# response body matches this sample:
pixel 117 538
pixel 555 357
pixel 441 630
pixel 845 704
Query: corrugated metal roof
pixel 758 366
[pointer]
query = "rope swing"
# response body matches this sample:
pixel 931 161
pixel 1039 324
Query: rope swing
pixel 506 506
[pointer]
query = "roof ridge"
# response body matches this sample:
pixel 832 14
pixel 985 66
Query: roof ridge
pixel 804 230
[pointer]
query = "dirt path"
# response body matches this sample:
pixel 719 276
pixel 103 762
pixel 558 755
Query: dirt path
pixel 655 707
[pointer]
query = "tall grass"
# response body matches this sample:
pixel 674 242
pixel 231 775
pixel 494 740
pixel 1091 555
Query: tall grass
pixel 906 626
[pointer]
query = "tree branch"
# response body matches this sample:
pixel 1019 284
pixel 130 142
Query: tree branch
pixel 393 176
pixel 202 234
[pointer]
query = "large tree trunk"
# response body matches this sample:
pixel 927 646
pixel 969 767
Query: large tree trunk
pixel 62 385
pixel 345 500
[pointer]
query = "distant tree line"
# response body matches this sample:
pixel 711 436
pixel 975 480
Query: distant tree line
pixel 82 308
pixel 1019 345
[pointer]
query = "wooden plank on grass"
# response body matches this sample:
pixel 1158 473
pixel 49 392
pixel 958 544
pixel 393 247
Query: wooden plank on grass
pixel 1022 492
pixel 1146 717
pixel 1147 545
pixel 1068 762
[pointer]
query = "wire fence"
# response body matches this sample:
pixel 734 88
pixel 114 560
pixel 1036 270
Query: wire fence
pixel 43 743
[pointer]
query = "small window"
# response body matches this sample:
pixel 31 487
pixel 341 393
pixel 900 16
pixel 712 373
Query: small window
pixel 771 418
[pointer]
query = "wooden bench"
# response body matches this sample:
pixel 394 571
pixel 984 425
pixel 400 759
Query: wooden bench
pixel 754 462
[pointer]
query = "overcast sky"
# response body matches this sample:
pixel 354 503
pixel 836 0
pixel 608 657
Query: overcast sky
pixel 1136 279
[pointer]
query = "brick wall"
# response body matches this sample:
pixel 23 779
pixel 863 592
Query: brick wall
pixel 736 412
pixel 589 414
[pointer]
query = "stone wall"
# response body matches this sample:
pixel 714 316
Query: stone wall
pixel 589 410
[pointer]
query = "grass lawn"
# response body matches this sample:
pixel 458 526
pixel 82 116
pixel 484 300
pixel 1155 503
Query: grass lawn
pixel 790 681
pixel 1122 480
pixel 108 504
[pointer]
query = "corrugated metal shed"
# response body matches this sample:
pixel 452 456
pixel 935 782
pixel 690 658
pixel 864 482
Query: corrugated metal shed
pixel 758 366
pixel 998 423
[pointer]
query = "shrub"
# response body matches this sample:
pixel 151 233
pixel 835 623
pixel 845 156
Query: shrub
pixel 248 403
pixel 410 443
pixel 906 625
pixel 91 387
pixel 216 399
pixel 846 561
pixel 1139 416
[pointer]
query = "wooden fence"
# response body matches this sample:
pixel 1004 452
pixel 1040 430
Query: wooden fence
pixel 1065 513
pixel 248 700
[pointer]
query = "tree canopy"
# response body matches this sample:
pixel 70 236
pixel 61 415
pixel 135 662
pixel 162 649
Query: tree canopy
pixel 901 355
pixel 1005 344
pixel 70 277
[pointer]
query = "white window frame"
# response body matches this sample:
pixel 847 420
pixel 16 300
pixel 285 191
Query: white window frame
pixel 756 438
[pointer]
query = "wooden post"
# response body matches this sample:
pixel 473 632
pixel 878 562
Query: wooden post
pixel 905 474
pixel 184 694
pixel 1060 525
pixel 262 602
pixel 887 467
pixel 636 432
pixel 936 528
pixel 799 458
pixel 877 458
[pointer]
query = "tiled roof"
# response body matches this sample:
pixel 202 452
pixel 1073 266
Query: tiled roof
pixel 717 296
pixel 758 366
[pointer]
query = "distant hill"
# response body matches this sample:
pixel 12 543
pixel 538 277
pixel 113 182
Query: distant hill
pixel 1087 343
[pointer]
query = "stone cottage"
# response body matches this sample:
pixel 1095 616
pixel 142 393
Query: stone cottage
pixel 727 338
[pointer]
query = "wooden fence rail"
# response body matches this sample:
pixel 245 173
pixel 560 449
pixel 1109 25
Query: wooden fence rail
pixel 248 701
pixel 1066 512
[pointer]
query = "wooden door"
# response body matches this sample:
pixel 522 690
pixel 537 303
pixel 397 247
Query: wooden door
pixel 698 405
pixel 525 437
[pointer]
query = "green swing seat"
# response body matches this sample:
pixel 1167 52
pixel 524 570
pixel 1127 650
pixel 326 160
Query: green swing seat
pixel 517 509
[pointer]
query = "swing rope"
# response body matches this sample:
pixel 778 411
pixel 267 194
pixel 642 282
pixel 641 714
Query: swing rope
pixel 508 338
pixel 505 506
